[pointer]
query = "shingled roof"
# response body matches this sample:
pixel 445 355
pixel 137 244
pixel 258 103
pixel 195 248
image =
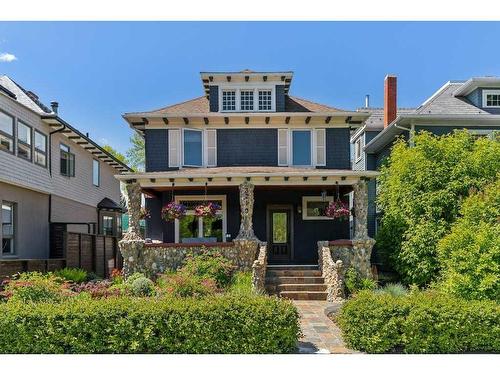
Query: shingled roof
pixel 376 119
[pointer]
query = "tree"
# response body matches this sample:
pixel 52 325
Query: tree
pixel 420 193
pixel 115 153
pixel 136 153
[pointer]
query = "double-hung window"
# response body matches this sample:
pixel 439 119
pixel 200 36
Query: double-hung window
pixel 265 101
pixel 6 132
pixel 246 100
pixel 229 100
pixel 40 149
pixel 67 161
pixel 8 228
pixel 358 148
pixel 23 140
pixel 95 172
pixel 193 148
pixel 301 147
pixel 491 98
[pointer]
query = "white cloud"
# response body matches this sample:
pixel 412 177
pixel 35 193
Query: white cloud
pixel 7 57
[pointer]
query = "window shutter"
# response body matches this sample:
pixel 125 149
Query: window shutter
pixel 211 150
pixel 173 148
pixel 282 146
pixel 320 147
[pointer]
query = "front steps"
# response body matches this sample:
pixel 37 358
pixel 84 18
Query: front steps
pixel 296 282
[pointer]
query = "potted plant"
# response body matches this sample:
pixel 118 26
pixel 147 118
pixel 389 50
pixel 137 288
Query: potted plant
pixel 172 211
pixel 208 209
pixel 338 210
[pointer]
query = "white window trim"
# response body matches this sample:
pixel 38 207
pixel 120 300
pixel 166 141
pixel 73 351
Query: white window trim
pixel 202 148
pixel 314 199
pixel 358 145
pixel 200 197
pixel 290 148
pixel 490 92
pixel 238 87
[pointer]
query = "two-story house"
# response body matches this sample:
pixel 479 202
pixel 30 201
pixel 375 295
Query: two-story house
pixel 256 151
pixel 50 173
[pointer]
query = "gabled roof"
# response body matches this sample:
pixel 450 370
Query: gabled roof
pixel 476 82
pixel 109 204
pixel 23 96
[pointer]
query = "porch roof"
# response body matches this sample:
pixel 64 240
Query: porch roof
pixel 258 175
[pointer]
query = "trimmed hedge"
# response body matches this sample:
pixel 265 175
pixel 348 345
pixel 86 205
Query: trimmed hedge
pixel 420 322
pixel 220 324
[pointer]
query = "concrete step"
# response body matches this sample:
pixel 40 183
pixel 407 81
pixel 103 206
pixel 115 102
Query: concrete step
pixel 298 267
pixel 311 296
pixel 293 273
pixel 295 288
pixel 295 280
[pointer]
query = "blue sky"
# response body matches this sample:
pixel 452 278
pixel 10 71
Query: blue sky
pixel 97 71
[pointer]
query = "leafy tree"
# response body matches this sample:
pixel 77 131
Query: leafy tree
pixel 136 153
pixel 115 153
pixel 420 192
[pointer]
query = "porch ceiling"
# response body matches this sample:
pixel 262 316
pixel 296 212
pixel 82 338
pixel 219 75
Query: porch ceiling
pixel 258 176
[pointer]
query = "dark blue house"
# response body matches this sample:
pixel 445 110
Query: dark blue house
pixel 247 133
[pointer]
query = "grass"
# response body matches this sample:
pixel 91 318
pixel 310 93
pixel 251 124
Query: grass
pixel 241 283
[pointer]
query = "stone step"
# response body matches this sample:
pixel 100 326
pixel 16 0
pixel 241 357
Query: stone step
pixel 273 288
pixel 293 273
pixel 311 296
pixel 299 267
pixel 295 280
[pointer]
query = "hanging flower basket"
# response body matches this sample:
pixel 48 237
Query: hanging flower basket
pixel 208 209
pixel 338 210
pixel 173 211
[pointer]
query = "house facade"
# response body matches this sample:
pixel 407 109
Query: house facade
pixel 50 173
pixel 272 162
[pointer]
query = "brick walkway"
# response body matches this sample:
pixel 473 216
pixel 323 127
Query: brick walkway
pixel 320 334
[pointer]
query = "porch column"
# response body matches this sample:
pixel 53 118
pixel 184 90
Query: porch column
pixel 132 193
pixel 246 205
pixel 361 210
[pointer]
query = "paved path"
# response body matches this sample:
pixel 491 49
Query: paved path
pixel 320 334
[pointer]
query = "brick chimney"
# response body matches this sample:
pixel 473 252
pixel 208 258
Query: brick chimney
pixel 390 99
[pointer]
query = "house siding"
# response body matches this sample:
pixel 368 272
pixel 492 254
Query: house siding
pixel 338 153
pixel 156 149
pixel 280 98
pixel 214 98
pixel 476 97
pixel 359 165
pixel 247 147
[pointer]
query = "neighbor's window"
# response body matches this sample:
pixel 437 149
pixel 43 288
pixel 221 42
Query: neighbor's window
pixel 95 172
pixel 358 147
pixel 40 149
pixel 107 225
pixel 265 100
pixel 301 147
pixel 491 98
pixel 23 140
pixel 193 156
pixel 8 228
pixel 246 99
pixel 6 132
pixel 313 208
pixel 229 100
pixel 67 161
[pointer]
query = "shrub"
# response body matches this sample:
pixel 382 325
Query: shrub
pixel 219 324
pixel 35 287
pixel 470 254
pixel 393 289
pixel 76 275
pixel 241 283
pixel 420 192
pixel 99 289
pixel 142 287
pixel 209 265
pixel 354 283
pixel 420 322
pixel 181 284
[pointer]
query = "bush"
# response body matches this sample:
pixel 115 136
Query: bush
pixel 393 289
pixel 35 287
pixel 219 324
pixel 99 289
pixel 354 283
pixel 241 283
pixel 209 265
pixel 181 284
pixel 419 322
pixel 420 192
pixel 470 254
pixel 142 287
pixel 76 275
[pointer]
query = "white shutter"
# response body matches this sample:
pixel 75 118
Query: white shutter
pixel 211 148
pixel 282 146
pixel 320 147
pixel 174 143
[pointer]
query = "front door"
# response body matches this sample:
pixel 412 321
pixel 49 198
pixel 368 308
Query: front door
pixel 279 234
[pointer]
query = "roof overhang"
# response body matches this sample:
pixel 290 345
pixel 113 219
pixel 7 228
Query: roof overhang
pixel 474 83
pixel 61 126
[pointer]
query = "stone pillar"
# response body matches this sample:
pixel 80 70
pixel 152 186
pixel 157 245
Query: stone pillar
pixel 133 201
pixel 360 210
pixel 246 205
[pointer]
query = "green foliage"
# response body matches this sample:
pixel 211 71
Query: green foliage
pixel 209 265
pixel 419 322
pixel 219 324
pixel 142 287
pixel 182 284
pixel 420 190
pixel 75 275
pixel 115 153
pixel 354 283
pixel 470 254
pixel 393 289
pixel 32 287
pixel 136 154
pixel 241 283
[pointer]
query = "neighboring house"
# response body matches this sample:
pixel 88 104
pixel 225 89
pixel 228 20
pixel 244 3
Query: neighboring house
pixel 473 104
pixel 50 173
pixel 247 131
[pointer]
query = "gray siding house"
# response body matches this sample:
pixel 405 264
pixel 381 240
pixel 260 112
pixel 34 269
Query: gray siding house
pixel 50 173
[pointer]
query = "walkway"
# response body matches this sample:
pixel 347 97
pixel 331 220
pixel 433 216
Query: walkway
pixel 320 334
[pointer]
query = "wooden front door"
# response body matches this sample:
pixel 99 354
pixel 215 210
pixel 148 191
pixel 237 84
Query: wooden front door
pixel 279 233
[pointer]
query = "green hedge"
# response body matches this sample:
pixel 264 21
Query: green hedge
pixel 221 324
pixel 421 322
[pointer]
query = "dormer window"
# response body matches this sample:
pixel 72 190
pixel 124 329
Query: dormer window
pixel 265 100
pixel 491 98
pixel 229 100
pixel 246 100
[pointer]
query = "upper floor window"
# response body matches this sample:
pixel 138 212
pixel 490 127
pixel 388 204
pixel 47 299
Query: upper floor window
pixel 229 100
pixel 40 149
pixel 301 147
pixel 6 132
pixel 491 98
pixel 358 148
pixel 246 98
pixel 265 100
pixel 8 228
pixel 95 172
pixel 67 161
pixel 305 147
pixel 23 140
pixel 193 151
